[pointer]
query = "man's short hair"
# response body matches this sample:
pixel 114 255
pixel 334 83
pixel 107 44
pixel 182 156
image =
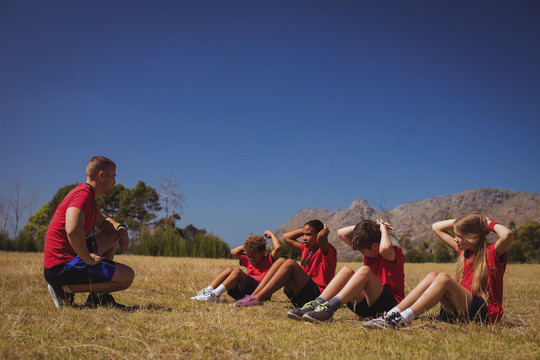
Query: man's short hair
pixel 365 234
pixel 255 243
pixel 97 164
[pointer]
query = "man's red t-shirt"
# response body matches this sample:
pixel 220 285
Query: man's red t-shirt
pixel 496 269
pixel 57 248
pixel 390 274
pixel 258 271
pixel 321 268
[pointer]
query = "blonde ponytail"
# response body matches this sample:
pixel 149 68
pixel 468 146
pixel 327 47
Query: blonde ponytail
pixel 474 229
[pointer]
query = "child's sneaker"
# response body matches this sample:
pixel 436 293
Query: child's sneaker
pixel 208 297
pixel 248 300
pixel 388 321
pixel 321 313
pixel 377 323
pixel 200 294
pixel 297 313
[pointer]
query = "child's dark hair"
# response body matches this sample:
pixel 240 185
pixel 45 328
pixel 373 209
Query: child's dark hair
pixel 316 224
pixel 255 243
pixel 365 234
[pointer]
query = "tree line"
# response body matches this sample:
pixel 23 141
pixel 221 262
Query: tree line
pixel 139 209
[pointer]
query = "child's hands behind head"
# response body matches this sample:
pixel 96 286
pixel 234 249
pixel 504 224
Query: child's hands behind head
pixel 384 224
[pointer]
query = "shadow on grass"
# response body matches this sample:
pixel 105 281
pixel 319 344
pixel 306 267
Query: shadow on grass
pixel 515 321
pixel 134 308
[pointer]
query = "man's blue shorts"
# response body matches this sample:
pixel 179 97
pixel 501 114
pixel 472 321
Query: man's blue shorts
pixel 76 271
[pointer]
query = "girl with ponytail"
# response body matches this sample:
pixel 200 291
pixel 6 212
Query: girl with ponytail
pixel 475 293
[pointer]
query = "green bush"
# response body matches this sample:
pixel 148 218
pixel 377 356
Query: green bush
pixel 417 256
pixel 171 243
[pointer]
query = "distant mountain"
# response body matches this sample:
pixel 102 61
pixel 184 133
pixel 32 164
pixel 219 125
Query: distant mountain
pixel 415 218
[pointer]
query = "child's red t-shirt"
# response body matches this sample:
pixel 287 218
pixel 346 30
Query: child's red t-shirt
pixel 391 274
pixel 496 269
pixel 258 271
pixel 321 268
pixel 57 249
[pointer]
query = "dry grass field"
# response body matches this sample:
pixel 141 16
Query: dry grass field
pixel 164 323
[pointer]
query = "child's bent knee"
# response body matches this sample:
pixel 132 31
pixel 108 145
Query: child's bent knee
pixel 237 272
pixel 444 277
pixel 365 271
pixel 346 270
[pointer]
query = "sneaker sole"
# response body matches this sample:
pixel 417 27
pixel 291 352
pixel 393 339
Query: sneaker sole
pixel 244 305
pixel 294 316
pixel 308 318
pixel 53 296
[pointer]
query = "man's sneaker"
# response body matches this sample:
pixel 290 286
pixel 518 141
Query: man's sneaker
pixel 94 301
pixel 387 321
pixel 248 300
pixel 321 313
pixel 209 297
pixel 297 313
pixel 59 296
pixel 200 294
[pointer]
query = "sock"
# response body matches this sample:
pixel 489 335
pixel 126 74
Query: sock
pixel 209 288
pixel 395 309
pixel 67 289
pixel 334 304
pixel 320 300
pixel 408 315
pixel 219 290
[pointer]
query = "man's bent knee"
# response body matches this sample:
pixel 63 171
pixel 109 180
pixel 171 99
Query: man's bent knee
pixel 123 276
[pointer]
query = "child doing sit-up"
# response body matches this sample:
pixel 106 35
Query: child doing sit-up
pixel 304 282
pixel 237 283
pixel 475 293
pixel 373 289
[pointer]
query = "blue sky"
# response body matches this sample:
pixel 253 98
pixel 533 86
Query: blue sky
pixel 260 109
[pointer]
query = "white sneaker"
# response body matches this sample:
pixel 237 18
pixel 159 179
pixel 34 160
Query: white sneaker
pixel 200 293
pixel 388 321
pixel 208 297
pixel 377 323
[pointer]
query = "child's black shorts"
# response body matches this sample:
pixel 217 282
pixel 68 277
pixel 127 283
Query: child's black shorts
pixel 237 293
pixel 309 292
pixel 478 311
pixel 385 302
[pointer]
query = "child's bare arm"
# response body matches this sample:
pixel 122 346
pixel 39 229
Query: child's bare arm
pixel 290 239
pixel 275 243
pixel 237 251
pixel 386 249
pixel 345 234
pixel 505 236
pixel 440 229
pixel 322 239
